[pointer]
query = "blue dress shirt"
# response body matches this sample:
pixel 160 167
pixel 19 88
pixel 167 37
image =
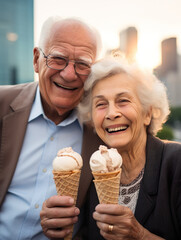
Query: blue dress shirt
pixel 32 182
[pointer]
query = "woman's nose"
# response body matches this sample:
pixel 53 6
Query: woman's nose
pixel 113 112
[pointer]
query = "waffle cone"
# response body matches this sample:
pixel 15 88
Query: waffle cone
pixel 69 237
pixel 67 183
pixel 107 186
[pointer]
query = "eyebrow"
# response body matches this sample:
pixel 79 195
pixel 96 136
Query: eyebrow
pixel 117 95
pixel 98 96
pixel 83 58
pixel 57 53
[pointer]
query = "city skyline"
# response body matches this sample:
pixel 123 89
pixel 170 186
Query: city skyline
pixel 155 21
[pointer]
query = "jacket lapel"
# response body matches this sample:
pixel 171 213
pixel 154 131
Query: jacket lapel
pixel 149 185
pixel 13 131
pixel 90 144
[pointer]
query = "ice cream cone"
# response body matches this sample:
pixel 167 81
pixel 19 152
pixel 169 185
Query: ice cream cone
pixel 67 183
pixel 69 237
pixel 107 186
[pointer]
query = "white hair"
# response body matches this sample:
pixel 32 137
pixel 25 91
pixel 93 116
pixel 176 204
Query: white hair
pixel 51 21
pixel 151 91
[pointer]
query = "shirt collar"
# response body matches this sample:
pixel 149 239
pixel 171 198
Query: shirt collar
pixel 37 110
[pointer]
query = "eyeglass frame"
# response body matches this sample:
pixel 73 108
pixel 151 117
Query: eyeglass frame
pixel 67 63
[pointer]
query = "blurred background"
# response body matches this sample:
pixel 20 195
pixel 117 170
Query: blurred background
pixel 148 32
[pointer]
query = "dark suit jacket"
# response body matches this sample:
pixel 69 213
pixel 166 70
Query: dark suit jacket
pixel 159 203
pixel 15 106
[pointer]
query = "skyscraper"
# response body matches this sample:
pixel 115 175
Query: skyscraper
pixel 16 38
pixel 169 54
pixel 170 70
pixel 128 40
pixel 169 57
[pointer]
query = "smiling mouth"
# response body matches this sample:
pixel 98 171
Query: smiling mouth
pixel 117 129
pixel 64 87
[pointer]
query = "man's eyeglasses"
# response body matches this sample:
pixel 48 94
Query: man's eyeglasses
pixel 58 62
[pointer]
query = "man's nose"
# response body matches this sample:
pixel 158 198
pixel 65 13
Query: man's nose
pixel 69 73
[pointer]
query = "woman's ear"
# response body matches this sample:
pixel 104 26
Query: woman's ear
pixel 36 55
pixel 148 117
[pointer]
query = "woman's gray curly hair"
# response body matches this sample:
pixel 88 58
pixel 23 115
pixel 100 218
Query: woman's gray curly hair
pixel 151 91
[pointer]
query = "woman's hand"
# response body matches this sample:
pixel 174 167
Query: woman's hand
pixel 118 222
pixel 57 215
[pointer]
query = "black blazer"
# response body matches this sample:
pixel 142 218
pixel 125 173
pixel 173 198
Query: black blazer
pixel 158 207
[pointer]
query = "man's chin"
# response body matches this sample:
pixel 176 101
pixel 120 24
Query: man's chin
pixel 64 111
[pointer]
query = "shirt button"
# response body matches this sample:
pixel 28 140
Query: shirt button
pixel 36 205
pixel 44 170
pixel 52 138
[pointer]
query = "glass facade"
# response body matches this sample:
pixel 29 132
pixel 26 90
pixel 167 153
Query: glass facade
pixel 16 41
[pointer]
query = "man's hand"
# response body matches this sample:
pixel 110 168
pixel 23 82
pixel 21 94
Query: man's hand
pixel 57 215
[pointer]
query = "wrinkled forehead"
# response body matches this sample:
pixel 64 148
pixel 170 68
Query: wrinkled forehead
pixel 73 32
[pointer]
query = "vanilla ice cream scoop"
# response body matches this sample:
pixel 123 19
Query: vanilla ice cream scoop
pixel 67 160
pixel 105 160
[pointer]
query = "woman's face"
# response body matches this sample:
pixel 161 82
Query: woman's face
pixel 117 113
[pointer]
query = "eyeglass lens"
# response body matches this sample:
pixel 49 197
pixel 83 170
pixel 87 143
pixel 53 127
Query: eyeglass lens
pixel 59 63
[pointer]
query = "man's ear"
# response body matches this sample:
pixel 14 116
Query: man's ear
pixel 36 55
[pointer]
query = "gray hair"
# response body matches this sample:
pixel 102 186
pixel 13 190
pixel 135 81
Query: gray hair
pixel 51 21
pixel 151 91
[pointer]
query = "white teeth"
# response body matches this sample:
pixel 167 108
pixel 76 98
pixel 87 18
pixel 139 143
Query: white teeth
pixel 117 129
pixel 69 88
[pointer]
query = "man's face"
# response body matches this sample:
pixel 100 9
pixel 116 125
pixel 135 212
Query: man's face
pixel 61 90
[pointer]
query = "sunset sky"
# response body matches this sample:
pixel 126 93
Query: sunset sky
pixel 155 20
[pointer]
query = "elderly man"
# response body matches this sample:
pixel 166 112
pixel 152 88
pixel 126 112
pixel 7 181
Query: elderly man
pixel 36 120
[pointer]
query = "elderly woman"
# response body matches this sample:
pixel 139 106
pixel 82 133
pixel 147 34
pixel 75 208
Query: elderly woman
pixel 127 107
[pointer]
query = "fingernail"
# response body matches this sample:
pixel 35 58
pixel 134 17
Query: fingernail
pixel 75 219
pixel 77 211
pixel 71 200
pixel 68 231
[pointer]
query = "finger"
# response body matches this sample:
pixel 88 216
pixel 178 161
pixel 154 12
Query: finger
pixel 59 201
pixel 56 223
pixel 104 218
pixel 105 227
pixel 105 231
pixel 56 233
pixel 59 212
pixel 110 232
pixel 109 236
pixel 108 219
pixel 98 216
pixel 113 209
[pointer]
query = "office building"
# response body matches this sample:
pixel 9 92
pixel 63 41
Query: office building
pixel 128 40
pixel 170 70
pixel 17 40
